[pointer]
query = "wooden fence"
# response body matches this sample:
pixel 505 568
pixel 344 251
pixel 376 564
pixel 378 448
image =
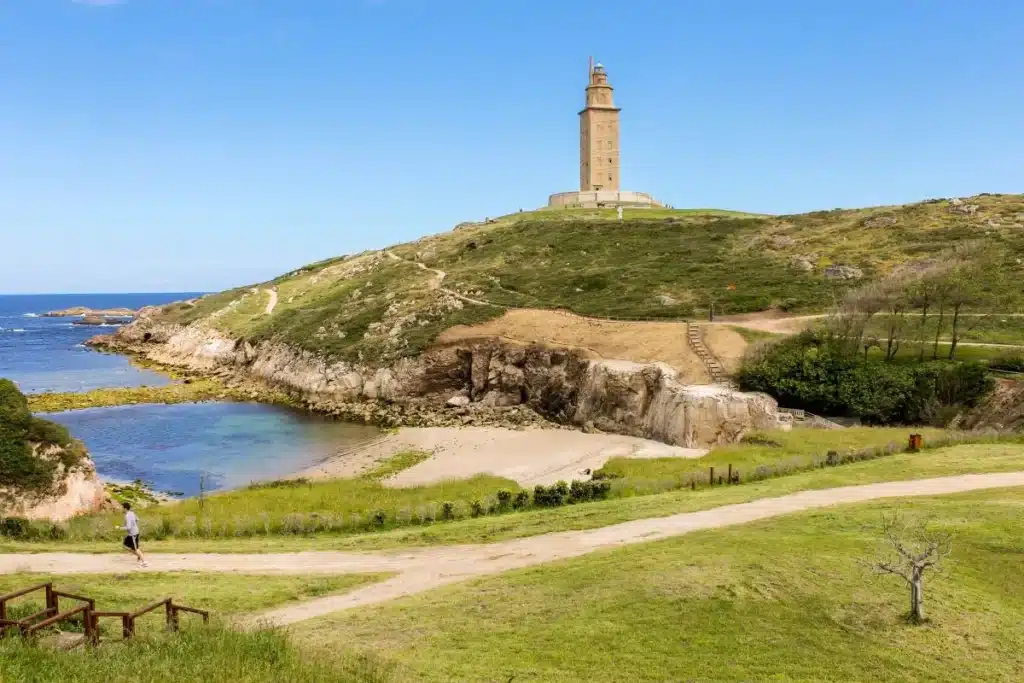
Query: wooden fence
pixel 52 615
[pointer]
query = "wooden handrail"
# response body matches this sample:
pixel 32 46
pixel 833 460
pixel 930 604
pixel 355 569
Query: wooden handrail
pixel 29 630
pixel 193 610
pixel 41 613
pixel 18 594
pixel 91 617
pixel 72 596
pixel 150 608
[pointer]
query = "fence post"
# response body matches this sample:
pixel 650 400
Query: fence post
pixel 711 476
pixel 172 616
pixel 127 626
pixel 51 599
pixel 90 638
pixel 729 478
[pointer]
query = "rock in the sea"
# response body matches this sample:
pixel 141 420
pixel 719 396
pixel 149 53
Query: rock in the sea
pixel 91 320
pixel 76 311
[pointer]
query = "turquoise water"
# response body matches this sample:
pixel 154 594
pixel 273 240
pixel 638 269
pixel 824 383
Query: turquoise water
pixel 228 444
pixel 170 447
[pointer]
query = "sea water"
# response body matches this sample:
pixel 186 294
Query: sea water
pixel 171 447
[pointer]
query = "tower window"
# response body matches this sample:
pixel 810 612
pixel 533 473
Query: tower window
pixel 609 176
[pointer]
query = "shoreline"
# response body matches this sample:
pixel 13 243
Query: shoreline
pixel 529 456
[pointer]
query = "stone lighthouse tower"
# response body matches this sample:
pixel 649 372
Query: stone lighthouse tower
pixel 599 135
pixel 599 154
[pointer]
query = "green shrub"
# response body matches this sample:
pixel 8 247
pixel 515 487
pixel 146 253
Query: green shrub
pixel 550 496
pixel 1012 362
pixel 15 527
pixel 476 507
pixel 521 500
pixel 504 499
pixel 816 373
pixel 19 467
pixel 447 510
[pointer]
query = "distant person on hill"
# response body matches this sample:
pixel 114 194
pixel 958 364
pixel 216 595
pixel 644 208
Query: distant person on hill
pixel 131 526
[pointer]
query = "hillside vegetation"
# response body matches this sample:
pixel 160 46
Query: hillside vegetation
pixel 379 306
pixel 32 450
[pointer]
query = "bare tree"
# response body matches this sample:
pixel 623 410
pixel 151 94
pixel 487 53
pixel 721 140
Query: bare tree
pixel 914 548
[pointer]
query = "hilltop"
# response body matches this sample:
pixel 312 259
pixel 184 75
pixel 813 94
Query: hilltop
pixel 376 307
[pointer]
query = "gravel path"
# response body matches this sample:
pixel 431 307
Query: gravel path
pixel 424 569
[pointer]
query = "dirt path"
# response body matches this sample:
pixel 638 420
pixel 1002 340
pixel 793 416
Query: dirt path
pixel 425 569
pixel 272 302
pixel 439 276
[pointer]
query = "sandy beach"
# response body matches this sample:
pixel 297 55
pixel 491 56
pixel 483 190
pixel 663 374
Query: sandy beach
pixel 528 456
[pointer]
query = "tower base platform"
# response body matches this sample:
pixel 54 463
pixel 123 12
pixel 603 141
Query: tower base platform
pixel 601 199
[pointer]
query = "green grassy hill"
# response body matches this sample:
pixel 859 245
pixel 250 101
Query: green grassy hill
pixel 654 264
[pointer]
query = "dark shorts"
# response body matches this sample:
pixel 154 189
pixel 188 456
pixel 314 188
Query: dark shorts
pixel 131 542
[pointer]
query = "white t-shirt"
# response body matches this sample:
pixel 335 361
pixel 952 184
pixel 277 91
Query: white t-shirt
pixel 131 523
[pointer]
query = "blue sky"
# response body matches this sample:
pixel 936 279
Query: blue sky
pixel 155 145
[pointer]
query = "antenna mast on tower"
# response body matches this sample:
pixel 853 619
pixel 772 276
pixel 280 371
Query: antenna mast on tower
pixel 590 71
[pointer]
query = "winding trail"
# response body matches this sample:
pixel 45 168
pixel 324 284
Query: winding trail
pixel 424 569
pixel 439 277
pixel 272 302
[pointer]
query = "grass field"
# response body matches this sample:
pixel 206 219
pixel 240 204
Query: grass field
pixel 296 507
pixel 989 329
pixel 210 655
pixel 222 594
pixel 364 504
pixel 781 600
pixel 994 457
pixel 784 452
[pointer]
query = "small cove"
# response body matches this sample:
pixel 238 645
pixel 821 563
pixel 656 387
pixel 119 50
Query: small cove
pixel 229 445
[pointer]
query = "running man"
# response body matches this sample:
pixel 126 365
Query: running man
pixel 131 541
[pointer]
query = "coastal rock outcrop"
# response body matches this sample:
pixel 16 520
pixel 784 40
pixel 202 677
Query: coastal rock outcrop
pixel 74 493
pixel 639 399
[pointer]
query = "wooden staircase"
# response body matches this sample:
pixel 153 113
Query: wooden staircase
pixel 39 623
pixel 695 338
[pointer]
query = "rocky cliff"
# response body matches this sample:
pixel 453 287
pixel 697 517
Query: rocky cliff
pixel 1003 409
pixel 640 399
pixel 74 492
pixel 44 473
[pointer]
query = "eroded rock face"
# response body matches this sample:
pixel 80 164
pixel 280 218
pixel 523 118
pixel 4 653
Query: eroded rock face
pixel 1003 409
pixel 646 399
pixel 76 493
pixel 639 399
